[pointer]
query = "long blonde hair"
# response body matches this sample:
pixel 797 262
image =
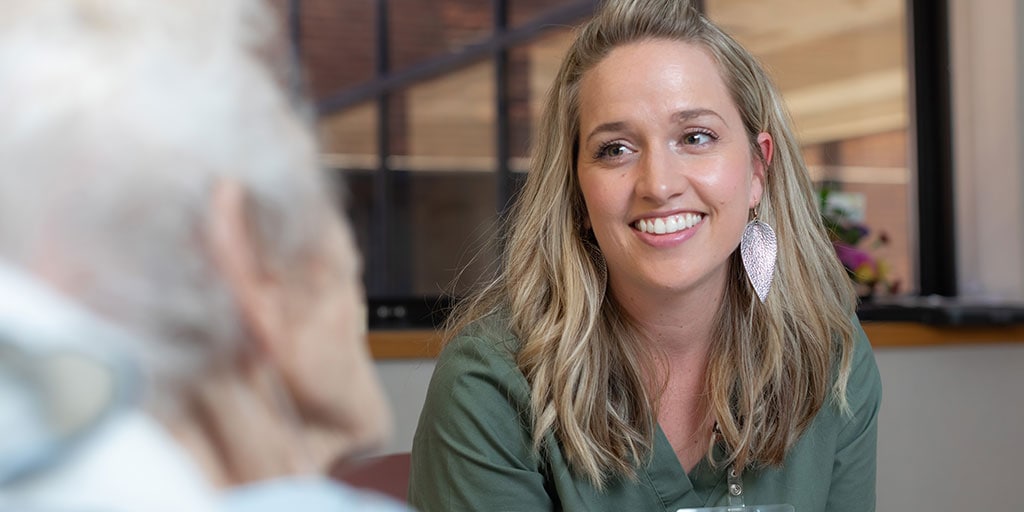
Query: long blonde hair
pixel 772 366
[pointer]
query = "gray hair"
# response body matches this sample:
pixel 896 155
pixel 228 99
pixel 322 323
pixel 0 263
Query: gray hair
pixel 119 117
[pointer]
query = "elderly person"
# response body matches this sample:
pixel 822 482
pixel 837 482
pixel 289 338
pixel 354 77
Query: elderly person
pixel 154 170
pixel 671 328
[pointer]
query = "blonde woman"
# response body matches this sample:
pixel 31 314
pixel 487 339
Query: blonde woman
pixel 671 328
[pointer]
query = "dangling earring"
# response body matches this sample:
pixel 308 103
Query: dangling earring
pixel 758 247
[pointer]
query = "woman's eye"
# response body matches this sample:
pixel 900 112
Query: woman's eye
pixel 613 150
pixel 697 138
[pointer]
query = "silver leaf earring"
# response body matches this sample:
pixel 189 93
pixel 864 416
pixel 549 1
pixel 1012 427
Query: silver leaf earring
pixel 758 247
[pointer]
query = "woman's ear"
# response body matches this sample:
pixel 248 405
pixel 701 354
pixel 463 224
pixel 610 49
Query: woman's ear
pixel 762 162
pixel 767 147
pixel 257 294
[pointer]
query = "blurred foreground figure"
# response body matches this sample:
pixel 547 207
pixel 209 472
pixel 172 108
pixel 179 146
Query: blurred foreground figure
pixel 157 182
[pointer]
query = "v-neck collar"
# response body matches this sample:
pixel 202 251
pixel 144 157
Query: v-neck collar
pixel 677 489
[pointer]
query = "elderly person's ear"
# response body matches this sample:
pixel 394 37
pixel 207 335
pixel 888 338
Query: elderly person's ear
pixel 258 294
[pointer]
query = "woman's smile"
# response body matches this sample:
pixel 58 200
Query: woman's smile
pixel 665 231
pixel 668 224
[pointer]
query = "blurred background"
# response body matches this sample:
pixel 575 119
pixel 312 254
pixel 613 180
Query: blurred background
pixel 427 109
pixel 910 115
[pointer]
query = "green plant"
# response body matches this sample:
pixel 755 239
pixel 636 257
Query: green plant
pixel 855 248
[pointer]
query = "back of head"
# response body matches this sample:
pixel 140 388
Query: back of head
pixel 120 117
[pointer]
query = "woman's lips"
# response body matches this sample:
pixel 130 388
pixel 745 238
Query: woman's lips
pixel 668 224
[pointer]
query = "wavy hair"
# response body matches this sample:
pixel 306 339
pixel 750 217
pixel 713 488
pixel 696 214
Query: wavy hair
pixel 772 366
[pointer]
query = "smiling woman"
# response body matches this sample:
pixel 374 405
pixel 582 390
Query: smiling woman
pixel 622 359
pixel 668 150
pixel 683 156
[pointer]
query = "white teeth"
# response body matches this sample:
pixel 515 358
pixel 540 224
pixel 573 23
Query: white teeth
pixel 670 224
pixel 659 226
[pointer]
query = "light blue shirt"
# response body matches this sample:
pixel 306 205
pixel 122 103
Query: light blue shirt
pixel 307 494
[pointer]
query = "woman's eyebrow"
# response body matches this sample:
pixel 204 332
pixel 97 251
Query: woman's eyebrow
pixel 614 126
pixel 678 117
pixel 693 113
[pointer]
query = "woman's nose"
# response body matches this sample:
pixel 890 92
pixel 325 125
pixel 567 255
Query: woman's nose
pixel 660 176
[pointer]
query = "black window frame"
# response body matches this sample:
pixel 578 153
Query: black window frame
pixel 931 112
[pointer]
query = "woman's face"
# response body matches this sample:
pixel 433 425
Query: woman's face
pixel 665 168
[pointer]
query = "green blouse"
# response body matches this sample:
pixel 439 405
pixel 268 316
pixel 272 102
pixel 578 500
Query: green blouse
pixel 472 449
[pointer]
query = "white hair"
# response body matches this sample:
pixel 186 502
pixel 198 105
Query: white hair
pixel 117 117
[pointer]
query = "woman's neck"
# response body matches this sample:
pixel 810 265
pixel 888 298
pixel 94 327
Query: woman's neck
pixel 677 324
pixel 679 328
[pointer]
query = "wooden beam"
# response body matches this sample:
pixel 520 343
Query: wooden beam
pixel 427 344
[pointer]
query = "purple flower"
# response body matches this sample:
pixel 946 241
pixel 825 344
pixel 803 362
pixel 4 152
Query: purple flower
pixel 851 257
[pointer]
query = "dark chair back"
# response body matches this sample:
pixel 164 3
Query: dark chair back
pixel 386 474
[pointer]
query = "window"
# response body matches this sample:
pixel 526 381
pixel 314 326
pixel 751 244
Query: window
pixel 842 68
pixel 432 143
pixel 428 112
